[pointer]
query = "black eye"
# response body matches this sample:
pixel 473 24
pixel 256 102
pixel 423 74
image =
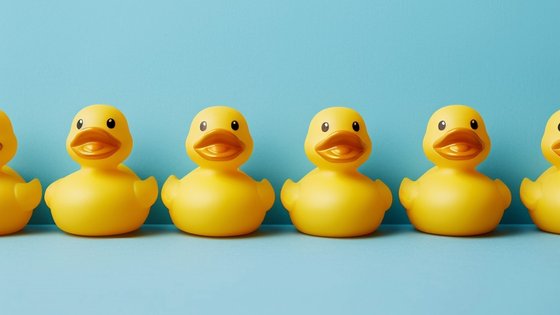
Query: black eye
pixel 111 123
pixel 234 125
pixel 441 125
pixel 474 124
pixel 558 127
pixel 80 123
pixel 203 126
pixel 325 126
pixel 356 126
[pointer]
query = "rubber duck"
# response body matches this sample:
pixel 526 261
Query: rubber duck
pixel 17 198
pixel 335 199
pixel 542 197
pixel 217 199
pixel 104 197
pixel 453 198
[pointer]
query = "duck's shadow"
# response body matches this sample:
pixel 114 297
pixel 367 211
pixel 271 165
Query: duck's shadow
pixel 145 231
pixel 499 232
pixel 508 230
pixel 381 232
pixel 261 232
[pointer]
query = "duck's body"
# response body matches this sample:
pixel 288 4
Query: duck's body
pixel 97 202
pixel 449 201
pixel 17 200
pixel 217 199
pixel 336 204
pixel 104 197
pixel 453 198
pixel 217 203
pixel 542 198
pixel 335 199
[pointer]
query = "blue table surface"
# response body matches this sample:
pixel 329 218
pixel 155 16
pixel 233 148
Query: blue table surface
pixel 514 270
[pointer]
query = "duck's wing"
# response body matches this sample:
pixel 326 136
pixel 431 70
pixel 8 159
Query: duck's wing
pixel 28 195
pixel 505 193
pixel 531 193
pixel 289 194
pixel 146 191
pixel 266 193
pixel 169 190
pixel 386 197
pixel 408 192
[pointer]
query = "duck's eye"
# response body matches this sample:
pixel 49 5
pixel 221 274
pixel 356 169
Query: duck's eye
pixel 325 126
pixel 558 127
pixel 111 123
pixel 442 125
pixel 203 126
pixel 474 124
pixel 356 126
pixel 234 125
pixel 80 123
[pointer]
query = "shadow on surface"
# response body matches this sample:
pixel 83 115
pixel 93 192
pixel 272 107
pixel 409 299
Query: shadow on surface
pixel 144 231
pixel 277 230
pixel 501 231
pixel 263 231
pixel 509 230
pixel 382 232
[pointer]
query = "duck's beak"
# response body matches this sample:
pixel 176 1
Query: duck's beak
pixel 219 145
pixel 341 147
pixel 94 143
pixel 459 144
pixel 555 147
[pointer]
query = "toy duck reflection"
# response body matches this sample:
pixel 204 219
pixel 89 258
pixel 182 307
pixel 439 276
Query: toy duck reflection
pixel 217 199
pixel 453 198
pixel 335 199
pixel 104 197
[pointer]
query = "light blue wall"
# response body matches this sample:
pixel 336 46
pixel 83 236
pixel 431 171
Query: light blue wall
pixel 280 62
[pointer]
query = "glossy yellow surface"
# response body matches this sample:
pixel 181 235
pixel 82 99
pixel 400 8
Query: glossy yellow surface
pixel 453 198
pixel 104 197
pixel 542 197
pixel 217 199
pixel 17 198
pixel 335 200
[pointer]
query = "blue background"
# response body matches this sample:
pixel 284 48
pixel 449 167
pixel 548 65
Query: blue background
pixel 280 62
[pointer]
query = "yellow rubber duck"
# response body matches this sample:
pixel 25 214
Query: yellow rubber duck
pixel 335 199
pixel 542 197
pixel 104 197
pixel 217 199
pixel 453 198
pixel 17 198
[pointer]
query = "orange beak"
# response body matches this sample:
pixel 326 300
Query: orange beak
pixel 219 145
pixel 459 144
pixel 341 147
pixel 555 147
pixel 94 143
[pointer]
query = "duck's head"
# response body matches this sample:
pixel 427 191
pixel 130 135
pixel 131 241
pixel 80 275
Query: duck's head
pixel 99 137
pixel 219 138
pixel 337 139
pixel 456 137
pixel 8 141
pixel 550 144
